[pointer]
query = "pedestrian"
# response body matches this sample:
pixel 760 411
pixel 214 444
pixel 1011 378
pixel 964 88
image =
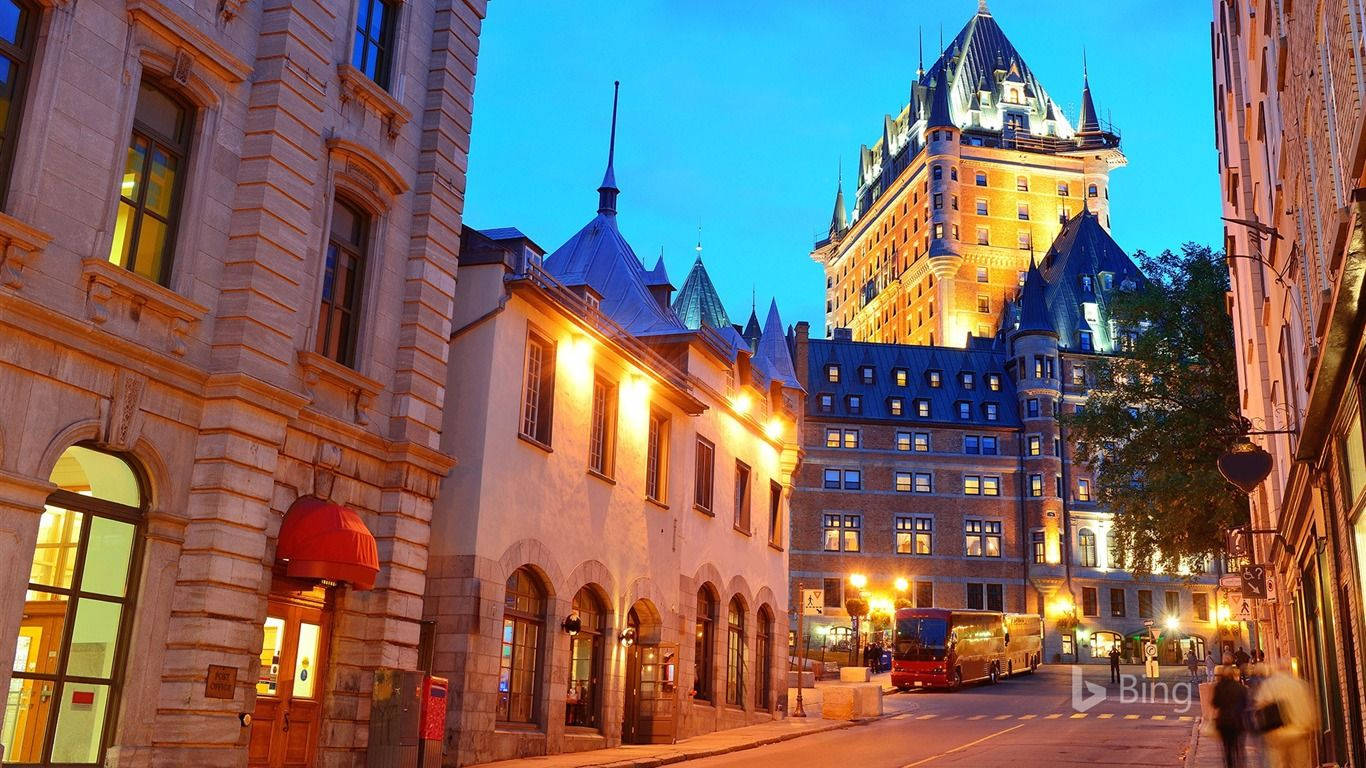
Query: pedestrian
pixel 1241 658
pixel 1193 665
pixel 1283 712
pixel 1230 711
pixel 1210 663
pixel 1114 663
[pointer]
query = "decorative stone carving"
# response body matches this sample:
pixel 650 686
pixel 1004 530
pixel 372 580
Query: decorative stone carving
pixel 122 419
pixel 180 70
pixel 356 86
pixel 97 297
pixel 180 334
pixel 358 389
pixel 230 9
pixel 364 400
pixel 111 288
pixel 19 244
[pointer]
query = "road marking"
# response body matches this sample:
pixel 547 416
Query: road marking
pixel 926 717
pixel 1028 717
pixel 1186 718
pixel 960 748
pixel 1077 716
pixel 976 717
pixel 1053 716
pixel 1159 717
pixel 1105 715
pixel 1131 717
pixel 1003 717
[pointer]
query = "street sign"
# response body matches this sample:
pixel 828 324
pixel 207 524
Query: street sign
pixel 813 602
pixel 1231 581
pixel 1245 612
pixel 1148 623
pixel 1254 581
pixel 1239 542
pixel 1153 633
pixel 1271 594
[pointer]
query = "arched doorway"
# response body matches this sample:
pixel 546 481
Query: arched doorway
pixel 68 668
pixel 651 697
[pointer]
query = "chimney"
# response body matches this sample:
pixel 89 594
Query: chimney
pixel 801 353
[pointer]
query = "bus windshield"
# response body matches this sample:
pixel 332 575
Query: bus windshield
pixel 920 639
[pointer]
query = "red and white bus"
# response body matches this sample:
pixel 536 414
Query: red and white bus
pixel 944 648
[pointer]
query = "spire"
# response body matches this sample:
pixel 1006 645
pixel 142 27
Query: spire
pixel 982 8
pixel 659 275
pixel 1088 122
pixel 697 303
pixel 774 352
pixel 607 193
pixel 1034 303
pixel 939 106
pixel 920 66
pixel 699 244
pixel 887 131
pixel 839 220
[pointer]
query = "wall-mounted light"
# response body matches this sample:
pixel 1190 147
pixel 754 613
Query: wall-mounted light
pixel 627 638
pixel 572 624
pixel 774 428
pixel 858 580
pixel 742 403
pixel 902 585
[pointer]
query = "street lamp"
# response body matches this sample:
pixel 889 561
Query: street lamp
pixel 902 585
pixel 858 580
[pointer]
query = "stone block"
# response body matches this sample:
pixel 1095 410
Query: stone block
pixel 855 675
pixel 808 679
pixel 853 701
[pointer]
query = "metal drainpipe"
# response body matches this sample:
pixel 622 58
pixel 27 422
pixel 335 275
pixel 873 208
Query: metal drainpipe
pixel 476 322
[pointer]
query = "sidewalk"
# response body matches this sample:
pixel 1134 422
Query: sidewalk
pixel 1206 751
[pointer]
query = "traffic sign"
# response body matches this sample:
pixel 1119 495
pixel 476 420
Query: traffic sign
pixel 1245 611
pixel 1148 622
pixel 1271 594
pixel 1254 581
pixel 813 602
pixel 1231 581
pixel 1239 542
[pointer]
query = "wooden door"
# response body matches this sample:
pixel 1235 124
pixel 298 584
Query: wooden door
pixel 285 723
pixel 630 721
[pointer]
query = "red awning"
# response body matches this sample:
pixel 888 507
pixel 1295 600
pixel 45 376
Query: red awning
pixel 322 540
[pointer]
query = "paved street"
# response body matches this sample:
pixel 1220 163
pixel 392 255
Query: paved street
pixel 1025 721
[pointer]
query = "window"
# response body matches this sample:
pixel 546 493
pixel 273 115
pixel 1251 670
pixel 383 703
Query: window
pixel 923 482
pixel 922 442
pixel 1036 485
pixel 994 382
pixel 832 479
pixel 972 444
pixel 1084 339
pixel 989 597
pixel 704 475
pixel 983 236
pixel 924 594
pixel 1200 603
pixel 1032 407
pixel 991 410
pixel 583 705
pixel 1035 445
pixel 602 435
pixel 981 208
pixel 895 405
pixel 763 662
pixel 938 231
pixel 742 493
pixel 82 577
pixel 832 438
pixel 953 174
pixel 1086 545
pixel 914 535
pixel 900 376
pixel 832 373
pixel 1024 241
pixel 1078 375
pixel 775 514
pixel 705 643
pixel 991 485
pixel 843 533
pixel 983 304
pixel 1062 189
pixel 903 482
pixel 827 403
pixel 834 592
pixel 16 53
pixel 938 200
pixel 982 538
pixel 1022 211
pixel 937 172
pixel 853 480
pixel 866 374
pixel 153 179
pixel 1090 601
pixel 538 388
pixel 972 485
pixel 1092 191
pixel 841 438
pixel 1173 600
pixel 1086 284
pixel 964 409
pixel 976 598
pixel 1083 489
pixel 981 179
pixel 519 663
pixel 373 53
pixel 982 275
pixel 854 403
pixel 989 445
pixel 967 379
pixel 922 408
pixel 1117 602
pixel 1039 545
pixel 935 378
pixel 657 457
pixel 903 441
pixel 1145 603
pixel 735 652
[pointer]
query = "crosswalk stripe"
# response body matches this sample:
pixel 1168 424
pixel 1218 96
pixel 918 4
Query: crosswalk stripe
pixel 1004 717
pixel 1105 715
pixel 1078 715
pixel 1028 717
pixel 1186 718
pixel 925 717
pixel 1053 716
pixel 1131 717
pixel 1159 717
pixel 977 717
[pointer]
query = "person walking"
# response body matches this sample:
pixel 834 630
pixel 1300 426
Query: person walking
pixel 1284 713
pixel 1193 665
pixel 1241 658
pixel 1230 711
pixel 1210 663
pixel 1114 663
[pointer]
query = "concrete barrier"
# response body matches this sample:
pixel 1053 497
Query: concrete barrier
pixel 808 679
pixel 855 674
pixel 851 701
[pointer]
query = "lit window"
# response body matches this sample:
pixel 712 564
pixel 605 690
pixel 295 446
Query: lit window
pixel 851 438
pixel 924 482
pixel 903 441
pixel 934 378
pixel 1035 445
pixel 832 438
pixel 586 659
pixel 894 404
pixel 1036 486
pixel 922 408
pixel 538 394
pixel 914 535
pixel 994 382
pixel 903 482
pixel 1039 546
pixel 983 304
pixel 900 375
pixel 982 275
pixel 1083 490
pixel 922 442
pixel 843 532
pixel 519 668
pixel 982 538
pixel 832 373
pixel 991 485
pixel 972 485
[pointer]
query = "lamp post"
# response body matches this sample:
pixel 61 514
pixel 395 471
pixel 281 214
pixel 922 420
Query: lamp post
pixel 801 660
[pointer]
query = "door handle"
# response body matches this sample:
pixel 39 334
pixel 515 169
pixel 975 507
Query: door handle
pixel 286 728
pixel 46 693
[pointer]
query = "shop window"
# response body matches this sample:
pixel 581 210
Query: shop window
pixel 519 674
pixel 538 393
pixel 153 180
pixel 376 36
pixel 704 644
pixel 67 675
pixel 735 652
pixel 583 704
pixel 17 35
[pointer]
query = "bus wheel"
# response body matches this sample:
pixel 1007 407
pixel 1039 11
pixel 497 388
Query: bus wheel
pixel 957 681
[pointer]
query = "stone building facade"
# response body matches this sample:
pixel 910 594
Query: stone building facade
pixel 230 237
pixel 977 171
pixel 610 550
pixel 944 477
pixel 1289 127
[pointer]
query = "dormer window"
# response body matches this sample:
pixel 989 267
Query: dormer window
pixel 964 409
pixel 994 382
pixel 832 373
pixel 967 378
pixel 991 410
pixel 1107 281
pixel 901 376
pixel 854 403
pixel 896 406
pixel 866 374
pixel 922 408
pixel 1084 341
pixel 827 403
pixel 934 378
pixel 1087 284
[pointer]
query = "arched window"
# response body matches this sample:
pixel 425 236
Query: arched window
pixel 343 283
pixel 68 667
pixel 1086 541
pixel 519 663
pixel 153 177
pixel 583 703
pixel 763 662
pixel 735 652
pixel 1092 191
pixel 703 677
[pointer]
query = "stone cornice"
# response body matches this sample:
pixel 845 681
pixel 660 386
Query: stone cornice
pixel 356 85
pixel 24 492
pixel 19 244
pixel 168 24
pixel 319 369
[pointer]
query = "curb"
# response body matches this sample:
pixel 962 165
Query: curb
pixel 1193 745
pixel 698 754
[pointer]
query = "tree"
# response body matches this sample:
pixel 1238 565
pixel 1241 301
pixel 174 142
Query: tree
pixel 856 606
pixel 1159 415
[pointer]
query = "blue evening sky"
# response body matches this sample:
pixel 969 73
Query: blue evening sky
pixel 734 116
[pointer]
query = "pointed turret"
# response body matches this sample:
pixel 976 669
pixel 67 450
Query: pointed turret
pixel 888 130
pixel 607 193
pixel 697 303
pixel 752 331
pixel 939 101
pixel 657 280
pixel 1088 121
pixel 1034 304
pixel 773 351
pixel 839 220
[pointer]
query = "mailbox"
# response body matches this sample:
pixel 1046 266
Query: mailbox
pixel 434 690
